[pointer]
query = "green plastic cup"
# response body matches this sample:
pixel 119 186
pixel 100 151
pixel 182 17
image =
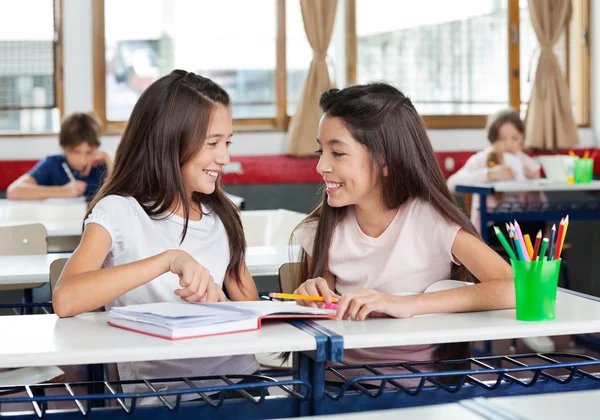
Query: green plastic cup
pixel 584 171
pixel 536 283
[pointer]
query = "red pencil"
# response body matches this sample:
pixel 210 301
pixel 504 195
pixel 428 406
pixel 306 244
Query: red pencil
pixel 594 154
pixel 538 242
pixel 559 240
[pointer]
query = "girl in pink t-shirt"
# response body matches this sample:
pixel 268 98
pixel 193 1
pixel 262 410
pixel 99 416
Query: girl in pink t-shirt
pixel 506 133
pixel 387 224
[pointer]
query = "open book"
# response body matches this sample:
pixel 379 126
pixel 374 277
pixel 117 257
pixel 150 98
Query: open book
pixel 178 320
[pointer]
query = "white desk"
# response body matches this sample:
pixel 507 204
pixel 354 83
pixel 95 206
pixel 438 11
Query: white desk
pixel 535 185
pixel 574 315
pixel 556 406
pixel 453 411
pixel 16 269
pixel 46 340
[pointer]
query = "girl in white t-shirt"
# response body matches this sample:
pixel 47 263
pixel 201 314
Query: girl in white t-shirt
pixel 161 228
pixel 387 226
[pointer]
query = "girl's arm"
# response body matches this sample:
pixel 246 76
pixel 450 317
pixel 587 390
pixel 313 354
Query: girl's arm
pixel 248 289
pixel 84 286
pixel 474 170
pixel 26 188
pixel 496 290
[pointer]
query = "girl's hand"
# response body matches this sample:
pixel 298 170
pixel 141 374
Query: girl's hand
pixel 532 174
pixel 315 287
pixel 197 285
pixel 500 173
pixel 360 304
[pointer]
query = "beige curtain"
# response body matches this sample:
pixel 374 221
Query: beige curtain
pixel 549 121
pixel 318 16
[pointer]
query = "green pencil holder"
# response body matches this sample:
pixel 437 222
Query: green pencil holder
pixel 536 283
pixel 584 171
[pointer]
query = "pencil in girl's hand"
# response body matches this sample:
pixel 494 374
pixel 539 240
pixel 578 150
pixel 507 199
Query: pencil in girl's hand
pixel 560 239
pixel 551 241
pixel 504 243
pixel 528 246
pixel 299 297
pixel 543 249
pixel 536 248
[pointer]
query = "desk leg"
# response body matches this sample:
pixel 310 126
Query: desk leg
pixel 313 372
pixel 484 217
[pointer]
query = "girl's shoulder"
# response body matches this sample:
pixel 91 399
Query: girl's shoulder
pixel 118 205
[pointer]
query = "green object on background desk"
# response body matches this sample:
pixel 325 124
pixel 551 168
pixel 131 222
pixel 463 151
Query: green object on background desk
pixel 584 170
pixel 536 283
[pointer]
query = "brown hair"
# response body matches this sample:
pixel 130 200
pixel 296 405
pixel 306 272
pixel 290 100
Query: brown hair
pixel 167 128
pixel 385 122
pixel 79 128
pixel 497 120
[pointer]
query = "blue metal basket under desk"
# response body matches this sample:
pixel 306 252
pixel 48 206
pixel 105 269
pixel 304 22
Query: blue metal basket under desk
pixel 542 211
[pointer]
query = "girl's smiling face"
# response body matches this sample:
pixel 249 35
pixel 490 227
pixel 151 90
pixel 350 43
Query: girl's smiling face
pixel 346 166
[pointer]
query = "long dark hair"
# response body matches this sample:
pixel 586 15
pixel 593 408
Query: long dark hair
pixel 167 127
pixel 383 120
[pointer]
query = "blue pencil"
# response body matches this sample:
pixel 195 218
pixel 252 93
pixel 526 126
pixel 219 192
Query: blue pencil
pixel 519 250
pixel 551 243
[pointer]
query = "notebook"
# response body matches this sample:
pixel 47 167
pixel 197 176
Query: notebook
pixel 179 320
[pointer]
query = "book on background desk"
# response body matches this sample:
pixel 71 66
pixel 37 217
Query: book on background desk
pixel 179 320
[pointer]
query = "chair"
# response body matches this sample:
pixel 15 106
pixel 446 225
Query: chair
pixel 23 240
pixel 26 240
pixel 286 276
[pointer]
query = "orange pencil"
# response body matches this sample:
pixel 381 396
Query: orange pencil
pixel 562 241
pixel 586 154
pixel 538 242
pixel 559 240
pixel 528 246
pixel 572 154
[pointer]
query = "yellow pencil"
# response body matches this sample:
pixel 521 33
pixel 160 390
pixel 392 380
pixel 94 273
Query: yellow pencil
pixel 572 154
pixel 299 297
pixel 528 245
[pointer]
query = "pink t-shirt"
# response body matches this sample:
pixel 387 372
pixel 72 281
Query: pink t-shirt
pixel 475 171
pixel 411 254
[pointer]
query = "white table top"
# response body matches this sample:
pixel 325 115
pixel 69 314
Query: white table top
pixel 261 261
pixel 555 406
pixel 574 315
pixel 537 185
pixel 452 411
pixel 54 228
pixel 45 340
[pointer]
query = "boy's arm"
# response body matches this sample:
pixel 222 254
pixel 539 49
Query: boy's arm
pixel 27 188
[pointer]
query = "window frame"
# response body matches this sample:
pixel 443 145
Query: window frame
pixel 278 122
pixel 580 93
pixel 58 77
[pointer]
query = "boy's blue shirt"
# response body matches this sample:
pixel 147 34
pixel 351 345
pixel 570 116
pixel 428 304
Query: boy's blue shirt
pixel 50 172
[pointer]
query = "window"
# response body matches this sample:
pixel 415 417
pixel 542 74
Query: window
pixel 460 61
pixel 239 44
pixel 30 81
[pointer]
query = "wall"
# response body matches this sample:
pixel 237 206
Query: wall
pixel 78 91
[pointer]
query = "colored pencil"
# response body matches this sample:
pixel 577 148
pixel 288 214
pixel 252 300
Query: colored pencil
pixel 543 249
pixel 562 230
pixel 593 156
pixel 504 243
pixel 511 240
pixel 520 251
pixel 586 154
pixel 528 246
pixel 298 297
pixel 521 240
pixel 536 248
pixel 572 154
pixel 551 242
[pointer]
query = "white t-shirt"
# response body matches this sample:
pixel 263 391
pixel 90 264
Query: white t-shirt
pixel 135 236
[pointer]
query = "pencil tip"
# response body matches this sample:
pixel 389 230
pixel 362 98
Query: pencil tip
pixel 539 234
